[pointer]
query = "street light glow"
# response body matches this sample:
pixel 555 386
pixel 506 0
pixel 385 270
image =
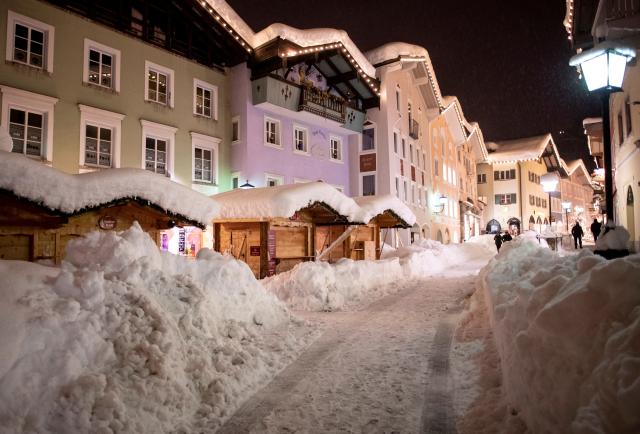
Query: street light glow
pixel 603 67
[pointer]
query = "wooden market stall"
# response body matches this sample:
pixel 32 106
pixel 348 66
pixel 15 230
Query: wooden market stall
pixel 275 228
pixel 41 215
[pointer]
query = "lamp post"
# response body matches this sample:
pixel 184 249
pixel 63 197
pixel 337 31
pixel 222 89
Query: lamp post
pixel 566 206
pixel 549 183
pixel 603 69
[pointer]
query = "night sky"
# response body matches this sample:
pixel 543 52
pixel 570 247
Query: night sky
pixel 507 64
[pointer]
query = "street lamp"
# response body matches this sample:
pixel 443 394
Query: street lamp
pixel 566 206
pixel 603 69
pixel 549 183
pixel 438 207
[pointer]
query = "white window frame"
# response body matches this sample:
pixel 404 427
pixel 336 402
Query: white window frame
pixel 210 143
pixel 49 39
pixel 214 98
pixel 170 77
pixel 305 132
pixel 337 139
pixel 115 66
pixel 373 127
pixel 375 182
pixel 278 178
pixel 104 119
pixel 235 120
pixel 277 145
pixel 163 132
pixel 29 101
pixel 396 141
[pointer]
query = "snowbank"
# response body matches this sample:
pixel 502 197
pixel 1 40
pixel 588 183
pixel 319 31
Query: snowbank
pixel 318 286
pixel 60 191
pixel 613 237
pixel 567 331
pixel 125 338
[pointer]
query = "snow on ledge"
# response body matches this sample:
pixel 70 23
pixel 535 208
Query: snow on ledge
pixel 376 205
pixel 313 37
pixel 69 194
pixel 284 201
pixel 395 50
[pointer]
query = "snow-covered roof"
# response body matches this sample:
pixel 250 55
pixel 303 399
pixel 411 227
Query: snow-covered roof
pixel 529 148
pixel 590 121
pixel 574 165
pixel 312 38
pixel 232 19
pixel 283 201
pixel 396 50
pixel 374 206
pixel 69 194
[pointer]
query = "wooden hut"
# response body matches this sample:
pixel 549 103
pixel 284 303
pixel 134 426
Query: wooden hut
pixel 42 209
pixel 272 229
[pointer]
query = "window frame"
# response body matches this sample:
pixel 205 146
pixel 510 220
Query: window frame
pixel 197 83
pixel 208 143
pixel 338 139
pixel 235 120
pixel 103 119
pixel 48 31
pixel 305 133
pixel 29 101
pixel 115 66
pixel 148 65
pixel 162 132
pixel 278 134
pixel 375 183
pixel 276 177
pixel 369 127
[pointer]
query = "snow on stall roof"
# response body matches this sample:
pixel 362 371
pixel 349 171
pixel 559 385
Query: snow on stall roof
pixel 233 19
pixel 283 201
pixel 376 205
pixel 313 37
pixel 69 194
pixel 529 148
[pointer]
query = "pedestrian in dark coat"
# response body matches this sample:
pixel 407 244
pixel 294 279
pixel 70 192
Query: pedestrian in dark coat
pixel 596 227
pixel 506 237
pixel 577 233
pixel 498 240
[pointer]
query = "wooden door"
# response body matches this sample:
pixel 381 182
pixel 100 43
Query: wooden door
pixel 240 244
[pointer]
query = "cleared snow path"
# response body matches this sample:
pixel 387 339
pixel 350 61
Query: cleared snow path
pixel 381 369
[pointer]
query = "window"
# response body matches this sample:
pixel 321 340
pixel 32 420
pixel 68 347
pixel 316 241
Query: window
pixel 205 99
pixel 101 65
pixel 620 130
pixel 411 153
pixel 158 147
pixel 205 158
pixel 100 136
pixel 505 199
pixel 501 175
pixel 159 84
pixel 272 132
pixel 538 203
pixel 29 119
pixel 300 139
pixel 368 138
pixel 532 200
pixel 398 187
pixel 368 185
pixel 627 113
pixel 395 142
pixel 398 98
pixel 29 42
pixel 436 168
pixel 235 180
pixel 272 180
pixel 404 149
pixel 406 191
pixel 482 178
pixel 413 194
pixel 235 129
pixel 336 148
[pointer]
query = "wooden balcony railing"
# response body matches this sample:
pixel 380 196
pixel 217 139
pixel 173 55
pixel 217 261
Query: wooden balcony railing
pixel 618 9
pixel 322 103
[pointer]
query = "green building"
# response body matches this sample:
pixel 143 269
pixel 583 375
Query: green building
pixel 132 83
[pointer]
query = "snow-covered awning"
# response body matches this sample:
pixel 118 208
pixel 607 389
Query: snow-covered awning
pixel 387 210
pixel 72 194
pixel 284 201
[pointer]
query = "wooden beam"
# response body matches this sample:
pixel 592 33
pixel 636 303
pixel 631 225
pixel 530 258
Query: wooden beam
pixel 337 242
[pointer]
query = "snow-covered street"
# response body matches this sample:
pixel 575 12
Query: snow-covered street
pixel 384 368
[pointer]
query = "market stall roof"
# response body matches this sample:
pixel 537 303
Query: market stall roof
pixel 317 201
pixel 71 194
pixel 387 210
pixel 526 149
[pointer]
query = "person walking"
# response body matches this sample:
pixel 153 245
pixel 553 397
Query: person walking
pixel 506 237
pixel 498 240
pixel 596 227
pixel 577 233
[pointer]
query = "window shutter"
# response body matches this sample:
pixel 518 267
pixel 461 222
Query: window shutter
pixel 513 198
pixel 496 175
pixel 497 199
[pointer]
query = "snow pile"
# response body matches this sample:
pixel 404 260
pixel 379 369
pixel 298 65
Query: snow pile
pixel 285 200
pixel 6 142
pixel 318 286
pixel 613 238
pixel 313 37
pixel 485 240
pixel 60 191
pixel 124 338
pixel 374 206
pixel 534 238
pixel 567 331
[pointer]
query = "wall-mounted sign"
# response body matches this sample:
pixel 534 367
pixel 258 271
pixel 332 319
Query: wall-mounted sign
pixel 367 163
pixel 107 222
pixel 254 250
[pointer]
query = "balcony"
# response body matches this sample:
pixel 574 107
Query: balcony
pixel 306 98
pixel 620 9
pixel 414 129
